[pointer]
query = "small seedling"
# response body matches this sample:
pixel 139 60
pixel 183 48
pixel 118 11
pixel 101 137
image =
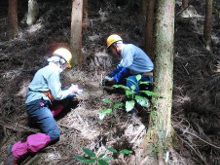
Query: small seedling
pixel 100 159
pixel 112 107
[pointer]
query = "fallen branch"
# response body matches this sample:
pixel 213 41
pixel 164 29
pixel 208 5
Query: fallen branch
pixel 68 127
pixel 17 127
pixel 203 140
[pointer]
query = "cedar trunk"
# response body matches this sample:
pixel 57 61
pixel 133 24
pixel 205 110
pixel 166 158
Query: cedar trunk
pixel 85 14
pixel 76 31
pixel 185 4
pixel 12 18
pixel 33 11
pixel 149 29
pixel 208 24
pixel 159 135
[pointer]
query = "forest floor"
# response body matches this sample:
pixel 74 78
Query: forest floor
pixel 196 94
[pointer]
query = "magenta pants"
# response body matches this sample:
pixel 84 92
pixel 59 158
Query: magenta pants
pixel 40 113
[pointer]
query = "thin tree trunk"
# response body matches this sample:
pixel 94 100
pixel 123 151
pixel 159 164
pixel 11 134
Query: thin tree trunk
pixel 159 134
pixel 185 5
pixel 33 11
pixel 76 31
pixel 12 18
pixel 208 24
pixel 149 28
pixel 85 14
pixel 144 7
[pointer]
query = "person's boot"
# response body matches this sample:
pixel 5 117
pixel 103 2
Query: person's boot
pixel 11 159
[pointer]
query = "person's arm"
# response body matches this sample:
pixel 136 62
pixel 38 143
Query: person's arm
pixel 115 71
pixel 121 74
pixel 54 85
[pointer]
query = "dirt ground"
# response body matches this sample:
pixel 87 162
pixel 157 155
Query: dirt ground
pixel 196 95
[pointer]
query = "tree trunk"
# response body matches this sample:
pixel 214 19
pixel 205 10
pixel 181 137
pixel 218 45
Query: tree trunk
pixel 208 24
pixel 159 135
pixel 144 7
pixel 149 28
pixel 12 18
pixel 33 11
pixel 185 5
pixel 85 14
pixel 76 31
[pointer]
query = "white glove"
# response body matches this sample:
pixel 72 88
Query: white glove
pixel 74 89
pixel 109 78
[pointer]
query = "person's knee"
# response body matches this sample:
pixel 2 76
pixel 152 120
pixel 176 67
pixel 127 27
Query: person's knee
pixel 54 135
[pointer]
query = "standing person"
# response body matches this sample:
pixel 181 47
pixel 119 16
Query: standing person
pixel 44 92
pixel 134 61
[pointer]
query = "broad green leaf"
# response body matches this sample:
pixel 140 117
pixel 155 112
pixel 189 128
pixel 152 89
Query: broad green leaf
pixel 89 152
pixel 129 105
pixel 107 158
pixel 105 111
pixel 85 160
pixel 149 93
pixel 143 101
pixel 129 93
pixel 125 151
pixel 100 156
pixel 121 86
pixel 138 77
pixel 144 82
pixel 107 101
pixel 133 87
pixel 102 162
pixel 112 150
pixel 117 105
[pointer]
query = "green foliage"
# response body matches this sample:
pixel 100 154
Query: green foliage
pixel 99 160
pixel 134 97
pixel 104 112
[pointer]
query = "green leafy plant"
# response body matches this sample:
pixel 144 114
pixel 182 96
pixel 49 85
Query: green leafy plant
pixel 104 112
pixel 100 159
pixel 133 97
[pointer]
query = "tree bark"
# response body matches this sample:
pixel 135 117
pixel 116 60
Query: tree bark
pixel 144 7
pixel 76 32
pixel 85 14
pixel 159 135
pixel 12 18
pixel 149 29
pixel 185 5
pixel 208 24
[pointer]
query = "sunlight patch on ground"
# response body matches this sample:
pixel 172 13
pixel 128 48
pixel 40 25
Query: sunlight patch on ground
pixel 35 28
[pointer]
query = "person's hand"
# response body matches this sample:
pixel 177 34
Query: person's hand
pixel 74 89
pixel 108 81
pixel 109 78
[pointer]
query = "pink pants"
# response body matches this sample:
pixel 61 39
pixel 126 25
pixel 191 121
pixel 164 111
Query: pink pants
pixel 33 144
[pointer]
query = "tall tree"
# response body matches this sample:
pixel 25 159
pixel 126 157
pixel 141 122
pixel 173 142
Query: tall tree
pixel 13 18
pixel 208 24
pixel 85 14
pixel 33 11
pixel 149 27
pixel 185 5
pixel 76 31
pixel 160 131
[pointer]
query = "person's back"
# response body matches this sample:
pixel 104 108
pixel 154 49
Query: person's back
pixel 135 59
